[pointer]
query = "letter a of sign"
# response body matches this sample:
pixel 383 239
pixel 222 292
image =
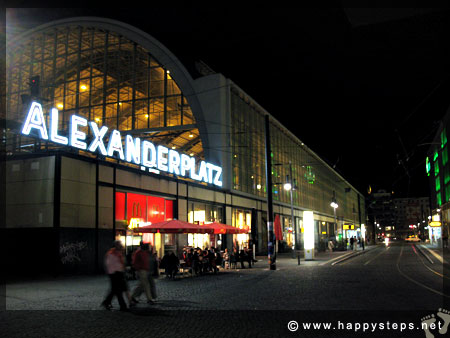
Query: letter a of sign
pixel 35 119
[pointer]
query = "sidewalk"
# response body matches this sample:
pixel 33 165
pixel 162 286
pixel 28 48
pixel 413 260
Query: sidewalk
pixel 320 258
pixel 85 292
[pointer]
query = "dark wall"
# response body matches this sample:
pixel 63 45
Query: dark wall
pixel 31 252
pixel 35 252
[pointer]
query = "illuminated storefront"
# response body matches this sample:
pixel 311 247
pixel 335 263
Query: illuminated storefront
pixel 288 233
pixel 435 230
pixel 108 131
pixel 242 219
pixel 204 213
pixel 350 231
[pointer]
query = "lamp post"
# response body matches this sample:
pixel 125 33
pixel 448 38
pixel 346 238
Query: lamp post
pixel 270 233
pixel 290 185
pixel 334 205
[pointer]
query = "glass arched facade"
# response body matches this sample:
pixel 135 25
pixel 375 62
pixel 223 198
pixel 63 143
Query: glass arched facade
pixel 102 76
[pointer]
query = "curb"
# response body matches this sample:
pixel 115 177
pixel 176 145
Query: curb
pixel 441 257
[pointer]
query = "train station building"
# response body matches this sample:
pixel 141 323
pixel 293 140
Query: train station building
pixel 106 130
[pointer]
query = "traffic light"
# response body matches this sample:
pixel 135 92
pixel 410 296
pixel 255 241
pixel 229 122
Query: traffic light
pixel 35 88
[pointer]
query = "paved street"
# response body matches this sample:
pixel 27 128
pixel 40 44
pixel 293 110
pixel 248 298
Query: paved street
pixel 394 283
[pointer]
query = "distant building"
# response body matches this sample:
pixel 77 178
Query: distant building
pixel 381 213
pixel 411 215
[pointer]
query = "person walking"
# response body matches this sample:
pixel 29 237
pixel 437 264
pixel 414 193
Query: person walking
pixel 330 245
pixel 234 258
pixel 141 264
pixel 195 262
pixel 351 243
pixel 248 256
pixel 115 268
pixel 212 260
pixel 242 258
pixel 355 243
pixel 154 272
pixel 219 257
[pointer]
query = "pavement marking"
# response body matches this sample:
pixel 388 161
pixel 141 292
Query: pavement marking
pixel 413 280
pixel 382 252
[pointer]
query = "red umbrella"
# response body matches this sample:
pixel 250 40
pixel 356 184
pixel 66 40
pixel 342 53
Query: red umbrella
pixel 220 228
pixel 175 226
pixel 277 226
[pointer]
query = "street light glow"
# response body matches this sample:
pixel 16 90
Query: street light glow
pixel 287 186
pixel 334 205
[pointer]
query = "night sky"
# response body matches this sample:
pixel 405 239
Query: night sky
pixel 363 88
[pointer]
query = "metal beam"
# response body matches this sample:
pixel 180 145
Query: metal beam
pixel 161 129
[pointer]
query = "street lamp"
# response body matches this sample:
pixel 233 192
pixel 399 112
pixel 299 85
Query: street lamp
pixel 288 186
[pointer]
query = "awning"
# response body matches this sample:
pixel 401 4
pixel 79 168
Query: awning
pixel 220 228
pixel 175 227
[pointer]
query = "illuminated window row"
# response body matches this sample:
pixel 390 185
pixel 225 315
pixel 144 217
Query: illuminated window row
pixel 314 182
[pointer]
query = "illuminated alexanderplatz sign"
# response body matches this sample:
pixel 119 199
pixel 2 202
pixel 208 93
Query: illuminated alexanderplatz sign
pixel 143 153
